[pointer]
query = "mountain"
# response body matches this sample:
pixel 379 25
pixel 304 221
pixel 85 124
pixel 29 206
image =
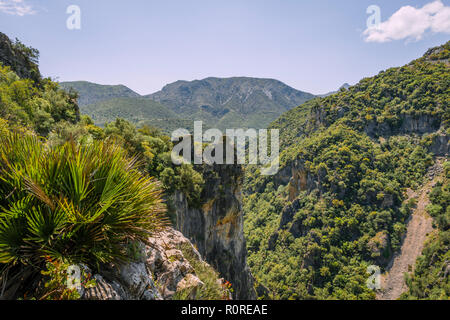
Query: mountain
pixel 90 93
pixel 340 200
pixel 344 86
pixel 134 110
pixel 230 102
pixel 220 103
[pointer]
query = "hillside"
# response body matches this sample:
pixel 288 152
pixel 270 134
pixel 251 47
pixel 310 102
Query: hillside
pixel 231 102
pixel 337 204
pixel 20 58
pixel 91 93
pixel 74 195
pixel 132 109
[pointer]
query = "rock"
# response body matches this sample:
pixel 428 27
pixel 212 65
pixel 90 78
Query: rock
pixel 167 261
pixel 138 282
pixel 190 284
pixel 217 228
pixel 160 271
pixel 440 145
pixel 103 290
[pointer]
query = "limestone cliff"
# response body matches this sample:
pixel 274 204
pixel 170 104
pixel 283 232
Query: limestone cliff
pixel 169 268
pixel 216 228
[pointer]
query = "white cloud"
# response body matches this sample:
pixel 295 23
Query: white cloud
pixel 411 23
pixel 16 7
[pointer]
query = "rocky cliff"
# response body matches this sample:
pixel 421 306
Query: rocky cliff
pixel 169 268
pixel 216 228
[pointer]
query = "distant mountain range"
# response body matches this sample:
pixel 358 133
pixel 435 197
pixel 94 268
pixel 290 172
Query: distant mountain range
pixel 220 102
pixel 91 93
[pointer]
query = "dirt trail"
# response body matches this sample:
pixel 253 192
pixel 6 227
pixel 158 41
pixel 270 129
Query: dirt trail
pixel 420 224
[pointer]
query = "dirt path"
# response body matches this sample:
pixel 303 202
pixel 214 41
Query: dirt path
pixel 420 224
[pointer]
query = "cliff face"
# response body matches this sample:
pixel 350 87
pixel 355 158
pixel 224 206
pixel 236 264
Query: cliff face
pixel 160 271
pixel 217 227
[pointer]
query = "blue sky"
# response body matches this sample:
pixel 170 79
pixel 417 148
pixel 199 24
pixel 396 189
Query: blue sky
pixel 314 46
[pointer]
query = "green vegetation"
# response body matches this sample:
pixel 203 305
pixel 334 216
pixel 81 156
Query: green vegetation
pixel 135 110
pixel 149 145
pixel 37 107
pixel 219 103
pixel 56 286
pixel 238 102
pixel 380 105
pixel 351 156
pixel 70 202
pixel 72 192
pixel 92 93
pixel 431 275
pixel 212 288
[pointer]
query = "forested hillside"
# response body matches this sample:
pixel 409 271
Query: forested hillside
pixel 230 102
pixel 337 204
pixel 74 194
pixel 91 93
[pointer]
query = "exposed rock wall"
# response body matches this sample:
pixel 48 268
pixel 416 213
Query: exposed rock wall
pixel 217 227
pixel 157 272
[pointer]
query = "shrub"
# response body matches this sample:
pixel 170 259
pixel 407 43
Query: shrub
pixel 80 204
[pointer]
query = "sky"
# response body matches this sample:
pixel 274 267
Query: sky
pixel 314 46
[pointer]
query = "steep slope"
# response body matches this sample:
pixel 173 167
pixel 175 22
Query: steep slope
pixel 216 227
pixel 231 102
pixel 408 99
pixel 336 206
pixel 27 100
pixel 21 59
pixel 419 226
pixel 91 93
pixel 131 109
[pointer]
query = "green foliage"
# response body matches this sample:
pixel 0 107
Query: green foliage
pixel 92 93
pixel 380 105
pixel 35 107
pixel 148 144
pixel 80 203
pixel 352 155
pixel 134 110
pixel 330 236
pixel 212 288
pixel 56 282
pixel 430 279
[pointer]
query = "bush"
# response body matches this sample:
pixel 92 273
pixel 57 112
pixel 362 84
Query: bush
pixel 77 203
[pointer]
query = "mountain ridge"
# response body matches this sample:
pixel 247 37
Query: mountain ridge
pixel 220 102
pixel 90 92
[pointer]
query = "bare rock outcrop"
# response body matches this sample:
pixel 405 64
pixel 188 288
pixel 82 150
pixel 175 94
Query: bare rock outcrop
pixel 217 227
pixel 158 272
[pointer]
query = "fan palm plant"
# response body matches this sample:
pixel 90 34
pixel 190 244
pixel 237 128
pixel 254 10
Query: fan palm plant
pixel 71 202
